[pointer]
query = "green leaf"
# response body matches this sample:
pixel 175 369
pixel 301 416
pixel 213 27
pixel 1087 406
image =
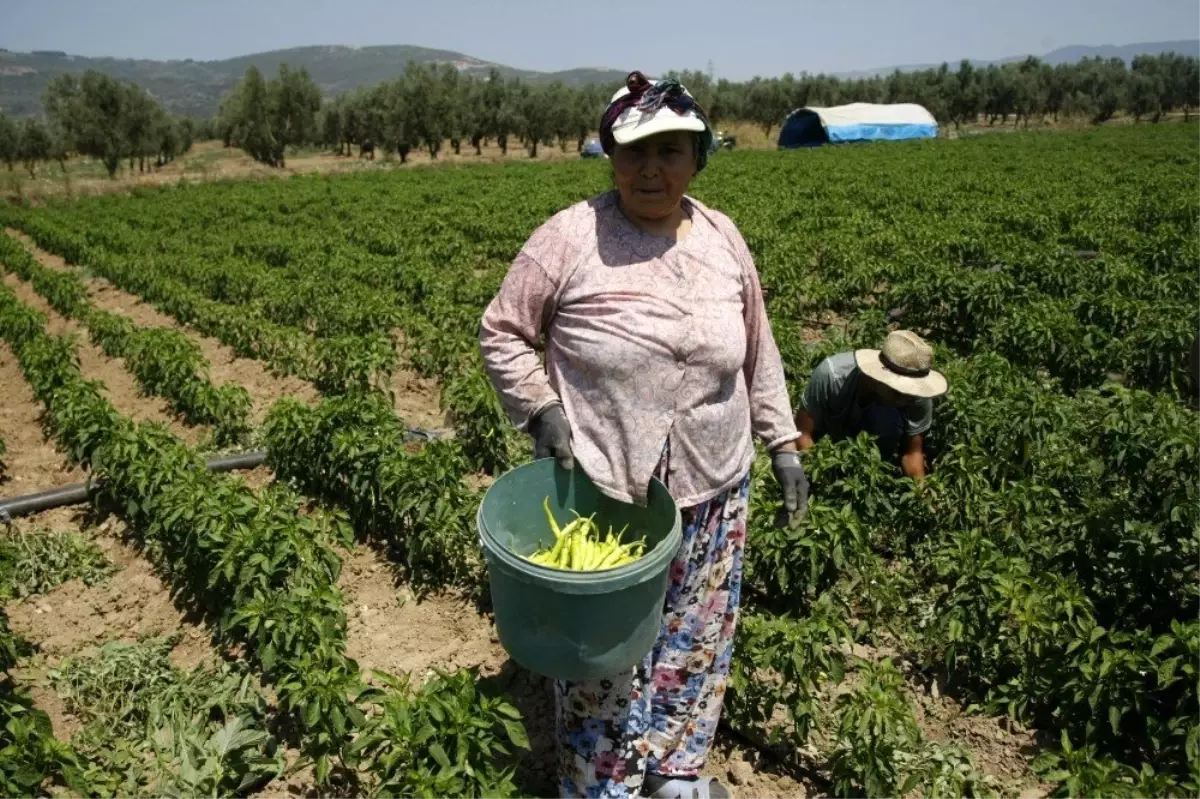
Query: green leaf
pixel 356 716
pixel 323 769
pixel 516 733
pixel 312 713
pixel 505 709
pixel 439 754
pixel 1162 644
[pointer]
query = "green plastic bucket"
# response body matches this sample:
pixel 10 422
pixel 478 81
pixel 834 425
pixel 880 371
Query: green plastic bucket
pixel 574 625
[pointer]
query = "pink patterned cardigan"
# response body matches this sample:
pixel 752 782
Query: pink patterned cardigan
pixel 645 338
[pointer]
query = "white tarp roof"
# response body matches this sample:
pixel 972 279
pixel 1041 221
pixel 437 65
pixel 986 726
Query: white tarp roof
pixel 873 114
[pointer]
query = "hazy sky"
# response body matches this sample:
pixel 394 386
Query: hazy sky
pixel 741 37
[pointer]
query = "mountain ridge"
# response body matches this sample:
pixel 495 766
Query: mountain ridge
pixel 1067 54
pixel 195 87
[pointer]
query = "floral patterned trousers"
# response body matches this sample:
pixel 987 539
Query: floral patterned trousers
pixel 661 717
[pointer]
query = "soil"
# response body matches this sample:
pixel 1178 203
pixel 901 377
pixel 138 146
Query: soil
pixel 224 366
pixel 389 629
pixel 418 399
pixel 74 618
pixel 444 630
pixel 120 387
pixel 133 603
pixel 32 462
pixel 1000 747
pixel 257 478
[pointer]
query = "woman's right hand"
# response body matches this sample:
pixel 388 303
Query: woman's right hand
pixel 552 436
pixel 793 483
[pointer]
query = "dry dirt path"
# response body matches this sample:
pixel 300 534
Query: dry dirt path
pixel 389 629
pixel 120 386
pixel 224 366
pixel 75 618
pixel 32 462
pixel 416 397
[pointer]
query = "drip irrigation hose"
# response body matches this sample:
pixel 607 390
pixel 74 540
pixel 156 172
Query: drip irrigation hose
pixel 43 500
pixel 792 765
pixel 77 493
pixel 418 434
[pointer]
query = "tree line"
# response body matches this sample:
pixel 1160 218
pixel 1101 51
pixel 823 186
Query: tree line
pixel 98 116
pixel 1093 88
pixel 429 105
pixel 425 107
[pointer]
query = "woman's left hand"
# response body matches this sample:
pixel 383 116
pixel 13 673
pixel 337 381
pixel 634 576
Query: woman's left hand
pixel 789 473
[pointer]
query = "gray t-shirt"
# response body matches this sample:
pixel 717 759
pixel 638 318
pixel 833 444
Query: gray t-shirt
pixel 831 397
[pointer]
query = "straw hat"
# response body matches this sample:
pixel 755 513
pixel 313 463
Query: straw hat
pixel 904 365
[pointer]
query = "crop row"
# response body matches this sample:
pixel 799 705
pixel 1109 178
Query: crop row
pixel 1048 306
pixel 267 571
pixel 336 364
pixel 436 330
pixel 1045 571
pixel 1081 339
pixel 1083 283
pixel 352 451
pixel 166 362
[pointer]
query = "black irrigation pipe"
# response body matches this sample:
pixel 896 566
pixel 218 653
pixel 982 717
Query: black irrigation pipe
pixel 77 493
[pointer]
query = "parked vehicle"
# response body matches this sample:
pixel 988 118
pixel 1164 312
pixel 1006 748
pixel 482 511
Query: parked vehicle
pixel 721 141
pixel 592 150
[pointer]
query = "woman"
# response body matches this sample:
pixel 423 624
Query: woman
pixel 659 362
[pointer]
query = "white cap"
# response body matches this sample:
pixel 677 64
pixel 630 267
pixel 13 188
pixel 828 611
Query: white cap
pixel 633 124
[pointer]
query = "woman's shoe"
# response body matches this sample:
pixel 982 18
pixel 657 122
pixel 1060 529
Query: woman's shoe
pixel 656 787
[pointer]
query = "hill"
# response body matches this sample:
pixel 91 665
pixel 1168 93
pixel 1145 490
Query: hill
pixel 196 87
pixel 1062 55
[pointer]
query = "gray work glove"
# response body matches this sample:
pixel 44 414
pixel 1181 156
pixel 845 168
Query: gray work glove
pixel 794 483
pixel 552 436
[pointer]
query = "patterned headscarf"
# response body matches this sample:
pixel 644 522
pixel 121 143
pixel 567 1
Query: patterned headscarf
pixel 649 97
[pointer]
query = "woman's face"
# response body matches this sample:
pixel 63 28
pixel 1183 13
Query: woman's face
pixel 653 173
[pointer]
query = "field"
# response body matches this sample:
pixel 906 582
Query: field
pixel 208 161
pixel 1024 624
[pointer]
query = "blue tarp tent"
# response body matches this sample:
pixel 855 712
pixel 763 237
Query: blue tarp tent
pixel 812 127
